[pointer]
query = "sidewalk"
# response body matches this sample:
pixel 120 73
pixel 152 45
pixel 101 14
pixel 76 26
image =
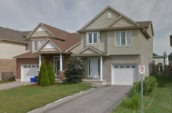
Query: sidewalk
pixel 10 85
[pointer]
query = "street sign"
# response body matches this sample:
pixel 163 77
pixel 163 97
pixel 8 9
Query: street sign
pixel 141 69
pixel 141 72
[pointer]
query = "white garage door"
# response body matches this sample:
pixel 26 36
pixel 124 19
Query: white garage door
pixel 123 74
pixel 28 71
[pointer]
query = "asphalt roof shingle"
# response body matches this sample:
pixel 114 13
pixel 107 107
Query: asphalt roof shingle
pixel 12 35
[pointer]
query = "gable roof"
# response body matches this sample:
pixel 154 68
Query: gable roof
pixel 71 40
pixel 12 35
pixel 105 9
pixel 64 46
pixel 53 31
pixel 91 48
pixel 27 55
pixel 58 33
pixel 144 24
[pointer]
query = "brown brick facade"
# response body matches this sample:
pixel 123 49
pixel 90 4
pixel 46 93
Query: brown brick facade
pixel 7 65
pixel 50 58
pixel 47 58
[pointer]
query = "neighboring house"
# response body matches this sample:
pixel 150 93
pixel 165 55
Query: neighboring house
pixel 46 43
pixel 157 60
pixel 113 46
pixel 12 43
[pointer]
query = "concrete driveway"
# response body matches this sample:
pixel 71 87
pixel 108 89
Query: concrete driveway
pixel 100 100
pixel 14 84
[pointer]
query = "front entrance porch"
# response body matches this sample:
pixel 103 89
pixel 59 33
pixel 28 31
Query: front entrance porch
pixel 94 68
pixel 59 62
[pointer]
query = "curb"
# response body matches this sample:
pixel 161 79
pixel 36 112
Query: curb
pixel 60 101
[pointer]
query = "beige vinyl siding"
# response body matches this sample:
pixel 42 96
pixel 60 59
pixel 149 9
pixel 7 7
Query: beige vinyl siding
pixel 123 22
pixel 8 50
pixel 103 21
pixel 112 49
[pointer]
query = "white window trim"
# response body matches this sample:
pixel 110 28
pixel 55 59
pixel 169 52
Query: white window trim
pixel 35 46
pixel 92 37
pixel 38 43
pixel 125 38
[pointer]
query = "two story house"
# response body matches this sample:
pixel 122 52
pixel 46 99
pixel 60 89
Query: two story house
pixel 47 43
pixel 113 46
pixel 12 43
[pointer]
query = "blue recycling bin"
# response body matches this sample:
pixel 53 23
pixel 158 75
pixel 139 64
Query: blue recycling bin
pixel 33 79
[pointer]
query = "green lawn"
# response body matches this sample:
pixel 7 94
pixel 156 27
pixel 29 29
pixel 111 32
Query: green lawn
pixel 160 101
pixel 26 98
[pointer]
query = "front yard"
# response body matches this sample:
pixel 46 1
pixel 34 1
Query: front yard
pixel 26 98
pixel 160 100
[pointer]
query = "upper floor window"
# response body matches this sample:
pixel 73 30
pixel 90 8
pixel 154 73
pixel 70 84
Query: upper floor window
pixel 35 44
pixel 123 38
pixel 26 47
pixel 92 37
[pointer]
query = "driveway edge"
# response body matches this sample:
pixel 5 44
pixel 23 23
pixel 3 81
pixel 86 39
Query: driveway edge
pixel 60 101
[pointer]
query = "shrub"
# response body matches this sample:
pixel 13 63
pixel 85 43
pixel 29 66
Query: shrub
pixel 148 85
pixel 133 102
pixel 44 79
pixel 75 70
pixel 51 73
pixel 38 78
pixel 135 89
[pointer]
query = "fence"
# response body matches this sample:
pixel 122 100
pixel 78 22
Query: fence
pixel 167 72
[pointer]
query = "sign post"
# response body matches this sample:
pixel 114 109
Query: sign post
pixel 142 71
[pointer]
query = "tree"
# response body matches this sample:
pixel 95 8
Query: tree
pixel 44 79
pixel 154 54
pixel 51 73
pixel 75 70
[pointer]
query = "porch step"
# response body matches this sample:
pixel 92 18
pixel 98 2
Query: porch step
pixel 59 80
pixel 95 82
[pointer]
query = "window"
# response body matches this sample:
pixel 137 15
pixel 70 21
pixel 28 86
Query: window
pixel 121 66
pixel 35 45
pixel 109 15
pixel 92 37
pixel 41 42
pixel 123 38
pixel 57 63
pixel 38 43
pixel 26 47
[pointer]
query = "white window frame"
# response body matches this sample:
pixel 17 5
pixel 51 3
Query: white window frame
pixel 126 44
pixel 34 44
pixel 38 43
pixel 92 40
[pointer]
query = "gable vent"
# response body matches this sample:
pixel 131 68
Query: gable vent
pixel 109 15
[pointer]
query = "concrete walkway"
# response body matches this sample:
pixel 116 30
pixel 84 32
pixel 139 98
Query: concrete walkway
pixel 9 85
pixel 99 100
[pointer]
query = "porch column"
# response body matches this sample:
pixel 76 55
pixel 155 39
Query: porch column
pixel 61 62
pixel 39 62
pixel 101 68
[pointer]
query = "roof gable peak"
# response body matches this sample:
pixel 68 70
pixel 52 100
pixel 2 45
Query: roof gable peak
pixel 102 12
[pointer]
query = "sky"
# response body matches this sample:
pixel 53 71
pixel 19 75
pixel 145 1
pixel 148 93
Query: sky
pixel 71 15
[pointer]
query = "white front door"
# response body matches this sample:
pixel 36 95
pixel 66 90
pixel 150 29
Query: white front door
pixel 28 71
pixel 93 72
